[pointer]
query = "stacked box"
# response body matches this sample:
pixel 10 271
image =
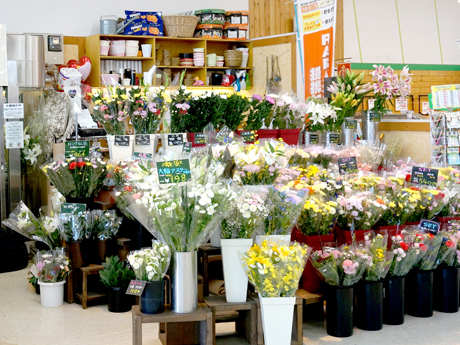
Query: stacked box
pixel 235 31
pixel 147 24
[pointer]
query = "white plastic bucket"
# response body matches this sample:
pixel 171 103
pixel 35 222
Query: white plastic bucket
pixel 52 294
pixel 277 316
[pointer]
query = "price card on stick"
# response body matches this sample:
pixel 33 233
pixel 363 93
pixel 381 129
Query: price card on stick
pixel 430 226
pixel 248 136
pixel 370 103
pixel 347 165
pixel 174 171
pixel 136 287
pixel 77 148
pixel 187 147
pixel 424 176
pixel 67 207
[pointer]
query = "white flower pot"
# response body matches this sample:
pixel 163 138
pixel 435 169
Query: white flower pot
pixel 151 148
pixel 166 148
pixel 51 294
pixel 215 237
pixel 120 152
pixel 280 240
pixel 277 317
pixel 236 280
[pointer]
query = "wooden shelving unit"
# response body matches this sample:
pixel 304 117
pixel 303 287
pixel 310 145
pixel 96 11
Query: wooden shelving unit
pixel 174 45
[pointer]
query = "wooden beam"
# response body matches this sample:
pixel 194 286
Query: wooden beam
pixel 339 37
pixel 404 126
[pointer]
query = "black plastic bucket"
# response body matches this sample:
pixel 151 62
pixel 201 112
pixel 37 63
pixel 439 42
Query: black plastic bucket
pixel 152 300
pixel 419 293
pixel 393 300
pixel 446 289
pixel 339 311
pixel 369 305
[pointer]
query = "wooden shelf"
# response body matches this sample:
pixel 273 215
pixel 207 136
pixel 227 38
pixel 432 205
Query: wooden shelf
pixel 182 67
pixel 229 67
pixel 125 58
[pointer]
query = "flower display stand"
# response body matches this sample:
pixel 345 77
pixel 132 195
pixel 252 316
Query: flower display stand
pixel 345 236
pixel 290 136
pixel 245 322
pixel 202 318
pixel 85 296
pixel 207 255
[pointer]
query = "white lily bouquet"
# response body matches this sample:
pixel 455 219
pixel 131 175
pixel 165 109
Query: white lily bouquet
pixel 150 264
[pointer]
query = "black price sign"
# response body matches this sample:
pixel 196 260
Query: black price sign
pixel 199 138
pixel 224 132
pixel 136 287
pixel 430 226
pixel 348 165
pixel 174 171
pixel 374 117
pixel 175 139
pixel 424 176
pixel 187 147
pixel 351 124
pixel 122 140
pixel 142 139
pixel 314 139
pixel 76 148
pixel 67 207
pixel 142 155
pixel 248 136
pixel 334 138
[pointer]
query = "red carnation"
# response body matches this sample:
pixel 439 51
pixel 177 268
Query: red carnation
pixel 439 196
pixel 422 247
pixel 408 178
pixel 81 164
pixel 450 244
pixel 72 165
pixel 128 188
pixel 404 246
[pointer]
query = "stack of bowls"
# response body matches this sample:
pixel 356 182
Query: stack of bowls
pixel 198 57
pixel 186 59
pixel 220 61
pixel 212 60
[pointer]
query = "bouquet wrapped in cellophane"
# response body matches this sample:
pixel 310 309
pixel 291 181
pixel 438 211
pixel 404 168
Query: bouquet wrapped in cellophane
pixel 77 177
pixel 73 227
pixel 43 229
pixel 52 265
pixel 339 267
pixel 432 244
pixel 150 264
pixel 146 110
pixel 447 254
pixel 275 270
pixel 104 225
pixel 318 216
pixel 401 207
pixel 379 259
pixel 408 251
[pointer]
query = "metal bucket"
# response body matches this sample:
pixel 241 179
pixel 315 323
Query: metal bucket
pixel 184 285
pixel 312 138
pixel 371 120
pixel 348 129
pixel 330 139
pixel 109 26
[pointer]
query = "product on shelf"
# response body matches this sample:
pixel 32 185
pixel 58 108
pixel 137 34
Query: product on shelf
pixel 237 17
pixel 147 24
pixel 235 31
pixel 209 31
pixel 211 16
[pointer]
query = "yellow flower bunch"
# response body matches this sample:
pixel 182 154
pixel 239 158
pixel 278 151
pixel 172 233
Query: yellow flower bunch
pixel 318 216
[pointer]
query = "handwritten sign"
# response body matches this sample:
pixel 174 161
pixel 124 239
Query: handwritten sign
pixel 314 139
pixel 67 207
pixel 187 147
pixel 347 165
pixel 351 124
pixel 14 134
pixel 136 287
pixel 175 139
pixel 248 136
pixel 334 138
pixel 122 140
pixel 142 139
pixel 199 138
pixel 77 148
pixel 430 226
pixel 174 171
pixel 424 176
pixel 13 111
pixel 142 155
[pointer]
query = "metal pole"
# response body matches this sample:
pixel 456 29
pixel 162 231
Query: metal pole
pixel 3 173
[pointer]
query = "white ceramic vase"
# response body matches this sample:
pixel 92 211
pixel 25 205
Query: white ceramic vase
pixel 236 280
pixel 166 146
pixel 277 317
pixel 118 152
pixel 151 148
pixel 51 294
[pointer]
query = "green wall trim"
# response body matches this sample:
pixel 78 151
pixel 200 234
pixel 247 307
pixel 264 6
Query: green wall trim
pixel 414 67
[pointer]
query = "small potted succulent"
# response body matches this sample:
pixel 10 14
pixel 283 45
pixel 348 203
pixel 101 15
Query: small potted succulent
pixel 116 277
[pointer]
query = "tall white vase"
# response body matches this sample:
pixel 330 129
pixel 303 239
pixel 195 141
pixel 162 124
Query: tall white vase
pixel 51 294
pixel 151 148
pixel 236 280
pixel 118 152
pixel 280 240
pixel 277 317
pixel 167 145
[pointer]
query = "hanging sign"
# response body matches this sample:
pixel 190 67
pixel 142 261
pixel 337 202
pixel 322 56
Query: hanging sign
pixel 401 104
pixel 430 226
pixel 424 176
pixel 136 287
pixel 13 110
pixel 14 134
pixel 425 108
pixel 174 171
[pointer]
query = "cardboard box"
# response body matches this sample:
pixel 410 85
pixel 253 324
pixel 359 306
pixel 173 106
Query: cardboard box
pixel 147 24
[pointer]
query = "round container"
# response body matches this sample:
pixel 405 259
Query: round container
pixel 198 50
pixel 51 294
pixel 186 55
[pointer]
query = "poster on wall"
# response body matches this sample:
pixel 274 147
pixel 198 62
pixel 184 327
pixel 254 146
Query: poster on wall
pixel 316 24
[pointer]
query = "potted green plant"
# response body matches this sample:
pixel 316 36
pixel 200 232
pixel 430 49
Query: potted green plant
pixel 261 110
pixel 116 277
pixel 235 109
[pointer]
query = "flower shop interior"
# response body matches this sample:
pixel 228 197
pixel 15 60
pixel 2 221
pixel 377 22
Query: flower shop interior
pixel 212 172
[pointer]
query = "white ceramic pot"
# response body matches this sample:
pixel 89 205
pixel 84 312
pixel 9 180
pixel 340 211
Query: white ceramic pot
pixel 151 148
pixel 236 280
pixel 277 317
pixel 120 152
pixel 51 294
pixel 167 146
pixel 280 240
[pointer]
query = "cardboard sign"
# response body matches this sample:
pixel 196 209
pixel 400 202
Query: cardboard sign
pixel 142 139
pixel 199 138
pixel 374 117
pixel 77 148
pixel 136 287
pixel 351 124
pixel 401 104
pixel 424 176
pixel 122 140
pixel 425 108
pixel 142 155
pixel 13 111
pixel 187 147
pixel 348 165
pixel 174 171
pixel 175 139
pixel 67 207
pixel 370 103
pixel 334 138
pixel 430 226
pixel 248 136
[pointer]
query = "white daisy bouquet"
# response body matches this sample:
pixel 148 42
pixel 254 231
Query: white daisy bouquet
pixel 53 266
pixel 150 264
pixel 43 229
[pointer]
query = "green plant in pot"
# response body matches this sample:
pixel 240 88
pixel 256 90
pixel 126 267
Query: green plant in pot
pixel 116 277
pixel 235 109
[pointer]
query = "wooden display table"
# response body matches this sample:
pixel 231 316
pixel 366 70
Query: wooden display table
pixel 246 321
pixel 206 255
pixel 310 298
pixel 203 315
pixel 86 295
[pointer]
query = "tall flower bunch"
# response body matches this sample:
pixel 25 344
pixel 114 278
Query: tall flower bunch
pixel 432 244
pixel 380 260
pixel 289 114
pixel 408 250
pixel 322 117
pixel 447 255
pixel 204 109
pixel 32 148
pixel 235 109
pixel 43 229
pixel 401 207
pixel 338 267
pixel 360 211
pixel 145 115
pixel 179 107
pixel 150 264
pixel 275 270
pixel 388 85
pixel 53 266
pixel 260 109
pixel 111 111
pixel 77 177
pixel 318 216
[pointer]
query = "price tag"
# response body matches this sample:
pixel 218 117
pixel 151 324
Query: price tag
pixel 174 171
pixel 142 155
pixel 13 111
pixel 224 132
pixel 122 140
pixel 142 139
pixel 187 147
pixel 14 134
pixel 374 117
pixel 248 136
pixel 136 287
pixel 370 103
pixel 425 108
pixel 72 208
pixel 351 124
pixel 424 176
pixel 77 148
pixel 401 104
pixel 430 226
pixel 348 165
pixel 314 139
pixel 334 138
pixel 199 138
pixel 175 139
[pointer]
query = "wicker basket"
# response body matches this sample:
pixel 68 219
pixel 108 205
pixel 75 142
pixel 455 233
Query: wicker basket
pixel 175 61
pixel 180 26
pixel 233 58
